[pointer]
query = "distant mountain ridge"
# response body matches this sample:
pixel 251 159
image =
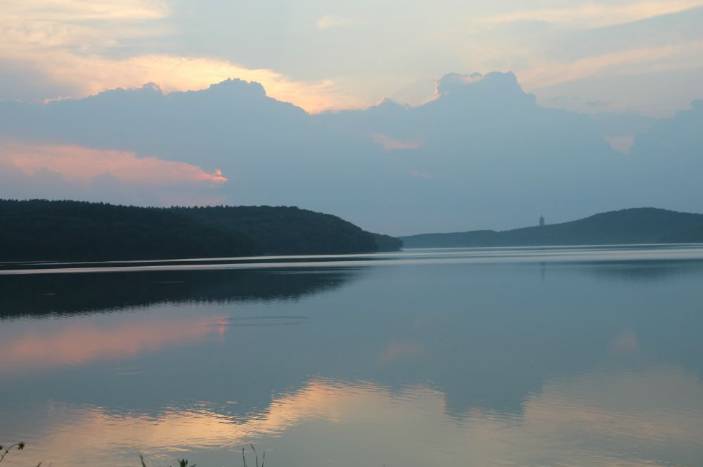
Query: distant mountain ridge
pixel 627 226
pixel 41 230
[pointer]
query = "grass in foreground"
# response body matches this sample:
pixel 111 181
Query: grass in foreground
pixel 186 462
pixel 5 451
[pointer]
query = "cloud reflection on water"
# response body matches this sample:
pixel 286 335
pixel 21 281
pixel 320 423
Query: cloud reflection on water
pixel 602 418
pixel 76 342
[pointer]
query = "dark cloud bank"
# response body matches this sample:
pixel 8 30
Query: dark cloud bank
pixel 483 154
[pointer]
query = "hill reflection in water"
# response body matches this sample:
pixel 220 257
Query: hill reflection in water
pixel 68 294
pixel 587 362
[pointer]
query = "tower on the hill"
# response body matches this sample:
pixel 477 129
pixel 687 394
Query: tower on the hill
pixel 541 221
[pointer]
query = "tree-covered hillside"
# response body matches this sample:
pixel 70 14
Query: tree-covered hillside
pixel 40 230
pixel 628 226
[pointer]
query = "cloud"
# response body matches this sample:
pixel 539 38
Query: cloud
pixel 86 10
pixel 455 81
pixel 620 78
pixel 74 48
pixel 421 174
pixel 81 164
pixel 454 153
pixel 551 73
pixel 72 44
pixel 389 143
pixel 88 75
pixel 596 14
pixel 621 143
pixel 333 22
pixel 32 170
pixel 43 25
pixel 83 11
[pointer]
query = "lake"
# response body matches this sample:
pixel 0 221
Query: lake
pixel 489 357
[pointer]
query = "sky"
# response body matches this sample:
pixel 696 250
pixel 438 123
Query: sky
pixel 322 54
pixel 403 117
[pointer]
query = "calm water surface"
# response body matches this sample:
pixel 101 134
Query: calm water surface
pixel 554 356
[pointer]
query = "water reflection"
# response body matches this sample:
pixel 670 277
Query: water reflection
pixel 572 363
pixel 38 294
pixel 601 418
pixel 74 342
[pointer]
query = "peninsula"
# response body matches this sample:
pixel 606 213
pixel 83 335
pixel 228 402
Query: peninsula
pixel 40 230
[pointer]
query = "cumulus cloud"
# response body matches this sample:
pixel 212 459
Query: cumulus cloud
pixel 71 43
pixel 74 48
pixel 88 75
pixel 454 81
pixel 555 46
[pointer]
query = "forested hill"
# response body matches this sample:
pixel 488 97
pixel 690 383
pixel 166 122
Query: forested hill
pixel 628 226
pixel 41 230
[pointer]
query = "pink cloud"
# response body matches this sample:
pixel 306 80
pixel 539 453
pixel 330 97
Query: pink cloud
pixel 417 173
pixel 392 144
pixel 83 165
pixel 621 143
